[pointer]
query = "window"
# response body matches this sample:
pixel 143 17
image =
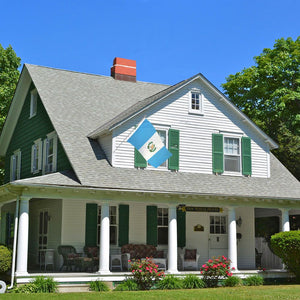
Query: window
pixel 33 103
pixel 196 103
pixel 15 165
pixel 218 224
pixel 113 235
pixel 162 226
pixel 232 154
pixel 36 156
pixel 163 135
pixel 50 153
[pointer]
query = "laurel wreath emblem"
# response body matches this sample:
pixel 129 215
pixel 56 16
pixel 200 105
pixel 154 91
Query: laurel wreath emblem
pixel 151 147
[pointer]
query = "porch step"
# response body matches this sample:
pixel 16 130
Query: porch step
pixel 77 288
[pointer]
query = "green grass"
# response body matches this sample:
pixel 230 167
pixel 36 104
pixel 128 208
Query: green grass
pixel 261 292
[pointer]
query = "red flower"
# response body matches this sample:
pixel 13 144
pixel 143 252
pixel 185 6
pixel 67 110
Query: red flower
pixel 233 268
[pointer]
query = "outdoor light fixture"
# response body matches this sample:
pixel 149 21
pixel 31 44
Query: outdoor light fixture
pixel 239 221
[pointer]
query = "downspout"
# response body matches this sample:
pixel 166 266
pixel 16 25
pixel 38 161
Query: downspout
pixel 15 240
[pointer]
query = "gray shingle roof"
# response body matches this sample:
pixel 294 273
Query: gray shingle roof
pixel 78 101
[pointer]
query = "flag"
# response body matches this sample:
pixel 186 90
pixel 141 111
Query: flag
pixel 147 141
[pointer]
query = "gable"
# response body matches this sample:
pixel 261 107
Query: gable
pixel 195 130
pixel 26 131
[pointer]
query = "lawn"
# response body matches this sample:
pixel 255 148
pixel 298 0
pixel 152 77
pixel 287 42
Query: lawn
pixel 260 292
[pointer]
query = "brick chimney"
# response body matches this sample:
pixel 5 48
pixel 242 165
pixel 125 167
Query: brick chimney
pixel 124 69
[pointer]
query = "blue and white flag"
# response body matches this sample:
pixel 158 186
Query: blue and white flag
pixel 147 141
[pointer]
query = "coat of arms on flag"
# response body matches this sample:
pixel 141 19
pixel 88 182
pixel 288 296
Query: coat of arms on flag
pixel 147 141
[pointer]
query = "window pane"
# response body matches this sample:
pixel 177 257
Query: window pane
pixel 46 222
pixel 41 223
pixel 113 235
pixel 231 146
pixel 162 235
pixel 212 229
pixel 232 163
pixel 162 135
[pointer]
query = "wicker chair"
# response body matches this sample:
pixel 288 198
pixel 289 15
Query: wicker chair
pixel 69 255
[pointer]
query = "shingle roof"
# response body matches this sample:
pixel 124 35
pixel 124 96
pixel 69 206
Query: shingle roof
pixel 77 101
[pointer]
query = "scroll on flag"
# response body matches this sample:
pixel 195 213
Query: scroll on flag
pixel 147 141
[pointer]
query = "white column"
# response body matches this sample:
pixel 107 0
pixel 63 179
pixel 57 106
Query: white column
pixel 285 221
pixel 22 248
pixel 104 240
pixel 232 245
pixel 172 241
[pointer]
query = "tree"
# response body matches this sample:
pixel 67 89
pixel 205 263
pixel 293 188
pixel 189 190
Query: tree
pixel 269 93
pixel 9 74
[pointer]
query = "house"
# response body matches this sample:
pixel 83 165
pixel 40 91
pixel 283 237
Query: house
pixel 71 177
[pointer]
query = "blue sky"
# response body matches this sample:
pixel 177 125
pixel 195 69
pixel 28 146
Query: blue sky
pixel 170 40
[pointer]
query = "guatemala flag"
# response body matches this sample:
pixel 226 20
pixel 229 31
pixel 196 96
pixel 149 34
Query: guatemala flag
pixel 147 141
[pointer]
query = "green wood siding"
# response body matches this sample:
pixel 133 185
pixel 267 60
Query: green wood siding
pixel 152 225
pixel 26 132
pixel 174 149
pixel 181 228
pixel 91 224
pixel 217 153
pixel 139 160
pixel 123 225
pixel 246 156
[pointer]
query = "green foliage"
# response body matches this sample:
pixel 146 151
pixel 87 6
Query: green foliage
pixel 215 269
pixel 29 288
pixel 127 285
pixel 41 284
pixel 5 259
pixel 99 286
pixel 145 273
pixel 9 74
pixel 269 93
pixel 286 245
pixel 233 281
pixel 170 282
pixel 254 280
pixel 192 282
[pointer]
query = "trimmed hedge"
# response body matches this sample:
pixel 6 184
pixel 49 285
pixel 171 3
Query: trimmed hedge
pixel 286 245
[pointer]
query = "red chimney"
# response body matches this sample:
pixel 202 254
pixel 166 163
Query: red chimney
pixel 124 69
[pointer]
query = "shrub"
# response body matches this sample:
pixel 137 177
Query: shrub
pixel 99 286
pixel 127 285
pixel 215 269
pixel 45 285
pixel 145 273
pixel 286 245
pixel 192 282
pixel 254 280
pixel 41 284
pixel 233 281
pixel 5 259
pixel 170 282
pixel 29 288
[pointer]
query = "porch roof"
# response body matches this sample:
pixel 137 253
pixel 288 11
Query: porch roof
pixel 281 185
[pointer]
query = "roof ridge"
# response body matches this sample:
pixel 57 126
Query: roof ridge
pixel 92 74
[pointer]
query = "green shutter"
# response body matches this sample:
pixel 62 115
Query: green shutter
pixel 181 237
pixel 246 156
pixel 174 149
pixel 139 160
pixel 217 153
pixel 152 225
pixel 123 225
pixel 91 224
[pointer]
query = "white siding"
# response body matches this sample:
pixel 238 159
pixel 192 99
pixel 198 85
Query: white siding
pixel 106 145
pixel 195 132
pixel 137 223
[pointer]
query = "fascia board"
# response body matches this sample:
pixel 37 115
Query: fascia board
pixel 14 110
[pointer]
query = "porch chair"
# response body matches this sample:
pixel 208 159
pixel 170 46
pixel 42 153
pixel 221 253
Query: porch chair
pixel 190 259
pixel 69 255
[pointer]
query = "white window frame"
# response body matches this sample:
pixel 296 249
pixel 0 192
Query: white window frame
pixel 239 138
pixel 163 216
pixel 198 111
pixel 111 224
pixel 36 156
pixel 161 167
pixel 33 103
pixel 15 165
pixel 215 224
pixel 50 136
